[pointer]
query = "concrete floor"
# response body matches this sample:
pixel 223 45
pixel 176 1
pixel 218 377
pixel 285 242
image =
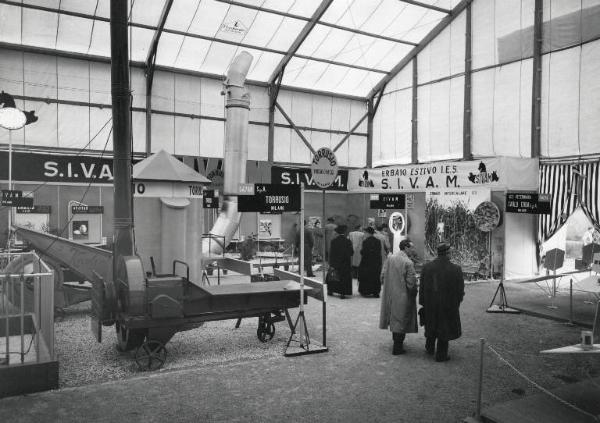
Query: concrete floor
pixel 358 380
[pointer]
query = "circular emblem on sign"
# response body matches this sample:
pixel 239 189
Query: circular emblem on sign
pixel 324 167
pixel 397 223
pixel 487 216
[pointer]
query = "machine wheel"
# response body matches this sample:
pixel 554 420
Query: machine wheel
pixel 128 339
pixel 266 330
pixel 151 355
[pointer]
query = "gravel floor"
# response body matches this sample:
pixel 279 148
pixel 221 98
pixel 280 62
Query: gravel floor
pixel 359 363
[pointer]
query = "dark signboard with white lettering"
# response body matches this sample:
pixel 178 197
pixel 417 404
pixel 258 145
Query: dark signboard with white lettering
pixel 527 202
pixel 271 198
pixel 34 210
pixel 14 198
pixel 296 176
pixel 81 209
pixel 388 201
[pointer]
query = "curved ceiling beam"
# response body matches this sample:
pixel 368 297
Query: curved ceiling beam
pixel 300 39
pixel 427 6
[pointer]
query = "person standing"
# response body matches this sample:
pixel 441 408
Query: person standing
pixel 309 242
pixel 398 302
pixel 356 237
pixel 442 291
pixel 329 235
pixel 384 240
pixel 369 270
pixel 340 258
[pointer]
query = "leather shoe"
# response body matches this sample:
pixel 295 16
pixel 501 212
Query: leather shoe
pixel 442 359
pixel 398 351
pixel 430 351
pixel 342 297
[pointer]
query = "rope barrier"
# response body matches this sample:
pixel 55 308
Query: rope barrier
pixel 541 388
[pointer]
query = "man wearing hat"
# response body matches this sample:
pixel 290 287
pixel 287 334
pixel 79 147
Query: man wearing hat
pixel 340 258
pixel 441 292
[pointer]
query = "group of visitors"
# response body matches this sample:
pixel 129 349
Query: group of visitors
pixel 367 255
pixel 440 294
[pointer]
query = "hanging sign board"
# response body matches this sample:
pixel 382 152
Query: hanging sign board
pixel 245 189
pixel 83 209
pixel 14 198
pixel 324 167
pixel 528 202
pixel 271 198
pixel 34 210
pixel 210 200
pixel 387 201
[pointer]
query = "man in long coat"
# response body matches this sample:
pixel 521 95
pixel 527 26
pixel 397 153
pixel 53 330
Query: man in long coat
pixel 442 291
pixel 369 270
pixel 340 258
pixel 398 302
pixel 309 242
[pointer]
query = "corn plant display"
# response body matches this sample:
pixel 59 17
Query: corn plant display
pixel 469 245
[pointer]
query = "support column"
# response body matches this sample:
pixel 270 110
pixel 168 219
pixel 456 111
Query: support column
pixel 536 101
pixel 467 147
pixel 370 117
pixel 121 113
pixel 414 151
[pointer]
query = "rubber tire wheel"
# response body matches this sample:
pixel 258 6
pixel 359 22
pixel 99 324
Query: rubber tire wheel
pixel 151 355
pixel 129 339
pixel 265 332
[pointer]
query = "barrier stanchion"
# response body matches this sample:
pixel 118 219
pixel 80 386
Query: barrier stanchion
pixel 480 387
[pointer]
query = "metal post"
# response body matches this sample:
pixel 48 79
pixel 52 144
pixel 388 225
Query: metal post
pixel 5 308
pixel 22 318
pixel 480 385
pixel 324 267
pixel 301 311
pixel 9 188
pixel 571 301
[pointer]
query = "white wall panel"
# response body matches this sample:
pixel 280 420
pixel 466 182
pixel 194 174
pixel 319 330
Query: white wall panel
pixel 100 129
pixel 137 82
pixel 320 139
pixel 10 24
pixel 73 79
pixel 40 76
pixel 138 129
pixel 163 92
pixel 482 112
pixel 340 115
pixel 343 154
pixel 282 144
pixel 357 110
pixel 100 83
pixel 258 140
pixel 212 138
pixel 187 136
pixel 301 111
pixel 44 131
pixel 402 80
pixel 259 104
pixel 321 112
pixel 298 150
pixel 357 151
pixel 589 115
pixel 483 43
pixel 384 138
pixel 11 71
pixel 456 111
pixel 212 102
pixel 163 133
pixel 73 126
pixel 187 94
pixel 525 108
pixel 560 103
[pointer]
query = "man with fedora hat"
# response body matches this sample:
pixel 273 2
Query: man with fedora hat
pixel 441 292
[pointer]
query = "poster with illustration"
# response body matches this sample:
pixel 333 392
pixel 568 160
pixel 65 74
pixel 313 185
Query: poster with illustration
pixel 449 218
pixel 80 229
pixel 265 229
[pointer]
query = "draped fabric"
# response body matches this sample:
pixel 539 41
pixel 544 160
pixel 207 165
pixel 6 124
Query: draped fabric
pixel 571 185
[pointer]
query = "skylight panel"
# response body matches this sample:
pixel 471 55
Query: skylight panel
pixel 100 42
pixel 74 34
pixel 39 28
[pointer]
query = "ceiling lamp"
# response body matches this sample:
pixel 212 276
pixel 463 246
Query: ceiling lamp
pixel 10 116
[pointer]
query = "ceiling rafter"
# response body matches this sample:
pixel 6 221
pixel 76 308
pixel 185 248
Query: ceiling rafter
pixel 300 38
pixel 428 38
pixel 192 35
pixel 151 58
pixel 427 6
pixel 304 18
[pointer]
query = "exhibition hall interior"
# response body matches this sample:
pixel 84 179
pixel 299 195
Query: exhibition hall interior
pixel 300 210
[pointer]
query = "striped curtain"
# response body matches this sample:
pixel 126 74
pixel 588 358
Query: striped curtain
pixel 571 185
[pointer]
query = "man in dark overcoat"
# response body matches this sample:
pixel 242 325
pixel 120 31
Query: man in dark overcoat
pixel 441 292
pixel 340 258
pixel 369 282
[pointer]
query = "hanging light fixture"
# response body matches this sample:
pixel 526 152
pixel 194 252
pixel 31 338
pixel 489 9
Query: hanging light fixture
pixel 10 116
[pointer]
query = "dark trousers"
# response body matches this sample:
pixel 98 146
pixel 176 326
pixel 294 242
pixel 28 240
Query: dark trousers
pixel 308 264
pixel 441 351
pixel 398 338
